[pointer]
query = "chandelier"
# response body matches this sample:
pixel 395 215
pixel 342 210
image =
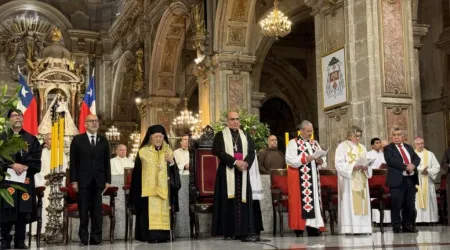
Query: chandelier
pixel 113 134
pixel 135 140
pixel 187 122
pixel 276 24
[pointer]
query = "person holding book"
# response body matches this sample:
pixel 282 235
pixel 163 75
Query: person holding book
pixel 353 173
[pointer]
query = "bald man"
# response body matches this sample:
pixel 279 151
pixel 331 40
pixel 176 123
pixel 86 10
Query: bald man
pixel 90 174
pixel 120 162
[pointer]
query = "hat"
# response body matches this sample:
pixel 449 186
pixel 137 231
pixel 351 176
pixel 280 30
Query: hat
pixel 153 130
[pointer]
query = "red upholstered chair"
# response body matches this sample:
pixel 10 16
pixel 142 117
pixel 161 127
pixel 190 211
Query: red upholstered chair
pixel 329 193
pixel 39 196
pixel 202 178
pixel 380 193
pixel 129 212
pixel 70 210
pixel 442 200
pixel 279 190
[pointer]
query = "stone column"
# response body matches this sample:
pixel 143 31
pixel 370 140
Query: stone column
pixel 231 88
pixel 256 102
pixel 379 57
pixel 41 103
pixel 158 110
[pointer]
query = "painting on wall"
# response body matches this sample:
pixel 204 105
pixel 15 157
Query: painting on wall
pixel 334 81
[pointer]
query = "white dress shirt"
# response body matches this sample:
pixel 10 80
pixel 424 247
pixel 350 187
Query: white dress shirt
pixel 378 156
pixel 90 137
pixel 407 155
pixel 118 164
pixel 182 159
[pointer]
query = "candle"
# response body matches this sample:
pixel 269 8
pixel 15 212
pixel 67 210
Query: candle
pixel 286 135
pixel 299 133
pixel 61 143
pixel 312 136
pixel 53 147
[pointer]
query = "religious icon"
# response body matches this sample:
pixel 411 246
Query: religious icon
pixel 334 81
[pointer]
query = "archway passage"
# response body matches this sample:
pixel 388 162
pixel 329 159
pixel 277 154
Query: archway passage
pixel 278 115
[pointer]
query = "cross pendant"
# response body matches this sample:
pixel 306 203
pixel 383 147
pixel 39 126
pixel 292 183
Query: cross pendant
pixel 235 147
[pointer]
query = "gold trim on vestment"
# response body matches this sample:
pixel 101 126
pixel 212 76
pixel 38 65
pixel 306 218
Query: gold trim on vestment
pixel 155 185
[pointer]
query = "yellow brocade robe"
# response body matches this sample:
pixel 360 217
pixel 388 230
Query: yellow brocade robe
pixel 155 186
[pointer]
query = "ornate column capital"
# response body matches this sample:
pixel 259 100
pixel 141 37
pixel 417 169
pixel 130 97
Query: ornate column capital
pixel 256 99
pixel 234 62
pixel 316 5
pixel 419 31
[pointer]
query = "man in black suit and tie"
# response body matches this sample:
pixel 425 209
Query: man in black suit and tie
pixel 402 162
pixel 90 175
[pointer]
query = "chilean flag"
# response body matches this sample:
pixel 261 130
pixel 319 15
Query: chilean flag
pixel 27 104
pixel 88 105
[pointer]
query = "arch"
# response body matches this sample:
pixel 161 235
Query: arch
pixel 119 71
pixel 233 25
pixel 297 15
pixel 13 8
pixel 167 48
pixel 287 76
pixel 276 111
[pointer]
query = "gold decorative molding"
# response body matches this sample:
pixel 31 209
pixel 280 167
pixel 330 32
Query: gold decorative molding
pixel 139 78
pixel 239 11
pixel 234 62
pixel 236 36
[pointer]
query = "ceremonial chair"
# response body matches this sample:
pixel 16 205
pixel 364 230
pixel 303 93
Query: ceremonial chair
pixel 279 191
pixel 329 193
pixel 380 193
pixel 70 210
pixel 442 200
pixel 129 211
pixel 202 177
pixel 39 196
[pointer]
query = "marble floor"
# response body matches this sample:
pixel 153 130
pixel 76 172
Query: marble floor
pixel 429 237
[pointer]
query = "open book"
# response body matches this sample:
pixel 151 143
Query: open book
pixel 364 162
pixel 320 153
pixel 15 177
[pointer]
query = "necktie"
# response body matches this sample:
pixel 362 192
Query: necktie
pixel 92 141
pixel 405 158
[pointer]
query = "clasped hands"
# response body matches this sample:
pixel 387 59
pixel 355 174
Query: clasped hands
pixel 241 165
pixel 75 186
pixel 19 168
pixel 410 168
pixel 310 158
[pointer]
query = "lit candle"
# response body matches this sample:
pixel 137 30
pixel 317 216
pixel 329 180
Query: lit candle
pixel 312 136
pixel 286 135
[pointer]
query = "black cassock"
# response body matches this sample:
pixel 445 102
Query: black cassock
pixel 232 217
pixel 24 209
pixel 140 204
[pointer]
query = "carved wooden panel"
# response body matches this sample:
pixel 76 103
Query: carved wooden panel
pixel 394 63
pixel 337 126
pixel 236 36
pixel 399 115
pixel 236 92
pixel 334 29
pixel 239 11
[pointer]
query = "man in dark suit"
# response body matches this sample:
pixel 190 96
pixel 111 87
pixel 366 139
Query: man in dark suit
pixel 90 175
pixel 402 162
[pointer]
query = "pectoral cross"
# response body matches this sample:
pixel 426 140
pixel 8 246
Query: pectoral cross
pixel 235 147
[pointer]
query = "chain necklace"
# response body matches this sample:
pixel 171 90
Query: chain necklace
pixel 235 142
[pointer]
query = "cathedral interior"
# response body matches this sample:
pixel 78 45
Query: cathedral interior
pixel 152 59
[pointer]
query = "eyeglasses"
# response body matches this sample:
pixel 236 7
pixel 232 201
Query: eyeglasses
pixel 233 119
pixel 92 121
pixel 15 115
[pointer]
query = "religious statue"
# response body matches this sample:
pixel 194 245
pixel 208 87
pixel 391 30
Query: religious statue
pixel 56 35
pixel 139 68
pixel 198 20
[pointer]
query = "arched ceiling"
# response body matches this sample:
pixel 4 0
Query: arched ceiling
pixel 92 15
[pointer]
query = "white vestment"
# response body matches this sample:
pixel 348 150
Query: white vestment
pixel 378 156
pixel 182 159
pixel 40 181
pixel 255 181
pixel 353 190
pixel 430 212
pixel 294 160
pixel 118 165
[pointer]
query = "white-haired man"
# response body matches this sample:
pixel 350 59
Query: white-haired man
pixel 426 202
pixel 120 162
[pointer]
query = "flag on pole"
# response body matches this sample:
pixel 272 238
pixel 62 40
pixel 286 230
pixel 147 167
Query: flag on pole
pixel 27 104
pixel 88 105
